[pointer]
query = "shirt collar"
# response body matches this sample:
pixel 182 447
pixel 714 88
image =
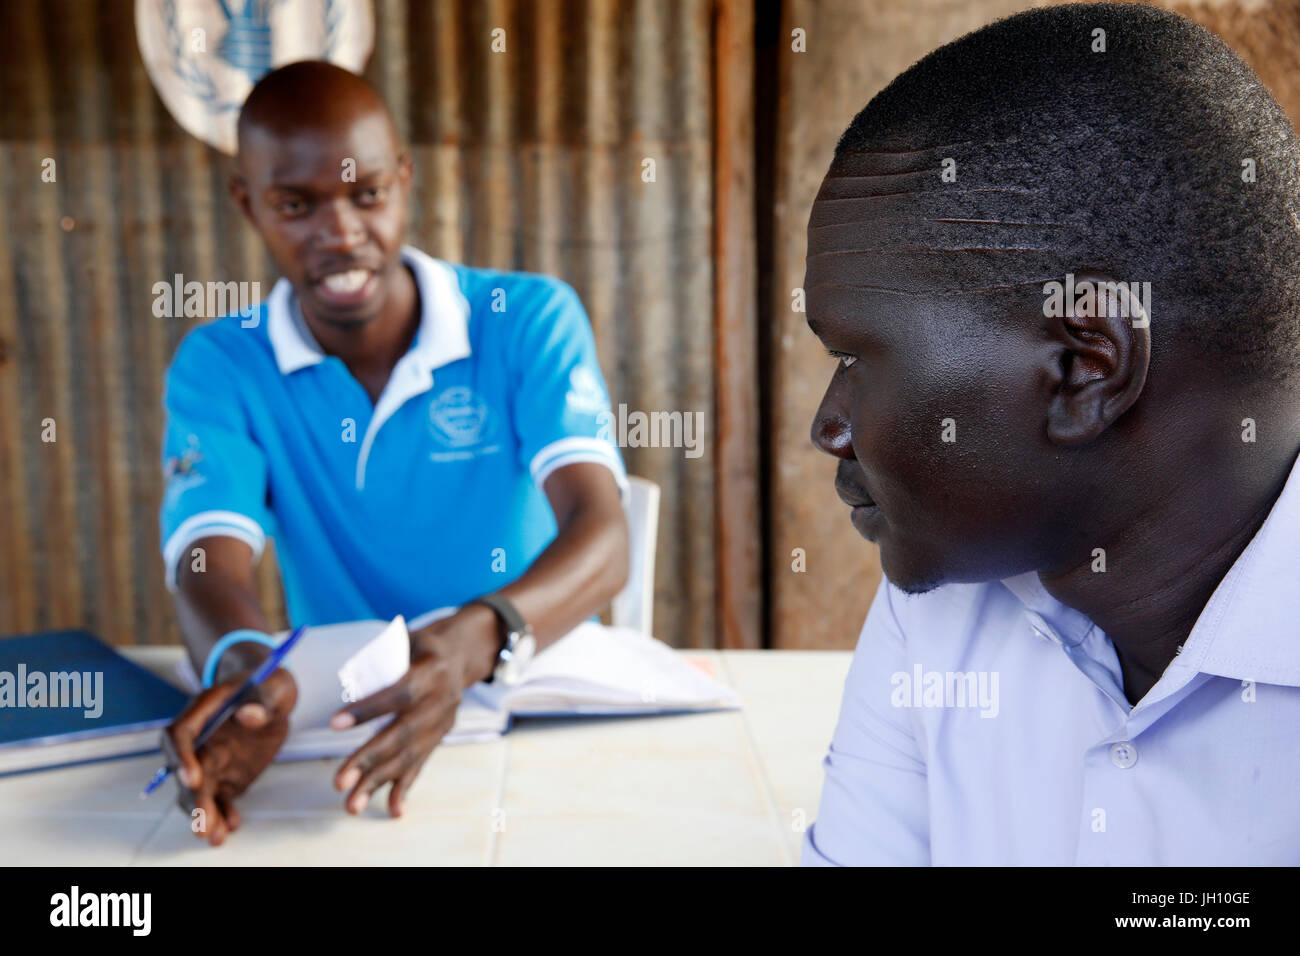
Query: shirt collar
pixel 1247 629
pixel 443 335
pixel 1065 625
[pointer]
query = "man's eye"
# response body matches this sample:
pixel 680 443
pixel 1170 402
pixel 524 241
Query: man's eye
pixel 291 207
pixel 845 358
pixel 370 197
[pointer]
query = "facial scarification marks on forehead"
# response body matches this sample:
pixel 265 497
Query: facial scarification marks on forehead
pixel 878 221
pixel 898 249
pixel 938 203
pixel 949 271
pixel 885 221
pixel 863 199
pixel 872 160
pixel 941 207
pixel 852 165
pixel 993 168
pixel 927 293
pixel 936 271
pixel 933 257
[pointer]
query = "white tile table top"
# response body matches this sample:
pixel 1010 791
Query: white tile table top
pixel 726 788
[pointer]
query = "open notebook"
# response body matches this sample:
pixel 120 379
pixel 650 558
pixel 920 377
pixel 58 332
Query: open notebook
pixel 592 670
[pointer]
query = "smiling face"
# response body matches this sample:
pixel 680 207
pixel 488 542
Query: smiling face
pixel 936 406
pixel 329 200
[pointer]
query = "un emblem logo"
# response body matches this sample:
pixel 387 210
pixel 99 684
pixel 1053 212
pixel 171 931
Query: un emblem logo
pixel 458 418
pixel 204 56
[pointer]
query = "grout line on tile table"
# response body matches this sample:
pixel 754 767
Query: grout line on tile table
pixel 340 813
pixel 144 844
pixel 494 842
pixel 39 814
pixel 756 759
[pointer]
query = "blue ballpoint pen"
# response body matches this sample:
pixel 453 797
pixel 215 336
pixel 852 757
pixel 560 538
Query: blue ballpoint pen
pixel 220 717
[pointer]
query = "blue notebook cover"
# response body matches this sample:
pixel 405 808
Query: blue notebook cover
pixel 59 687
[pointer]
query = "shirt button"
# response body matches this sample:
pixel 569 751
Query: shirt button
pixel 1123 755
pixel 1040 627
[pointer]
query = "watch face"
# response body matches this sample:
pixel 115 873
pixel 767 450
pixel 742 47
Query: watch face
pixel 512 669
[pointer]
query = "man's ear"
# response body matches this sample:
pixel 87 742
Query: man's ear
pixel 405 171
pixel 238 189
pixel 1103 337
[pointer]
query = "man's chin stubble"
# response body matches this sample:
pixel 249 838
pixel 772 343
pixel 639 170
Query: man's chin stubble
pixel 916 587
pixel 914 583
pixel 348 324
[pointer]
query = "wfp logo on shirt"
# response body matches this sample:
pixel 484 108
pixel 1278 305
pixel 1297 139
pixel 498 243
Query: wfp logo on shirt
pixel 461 423
pixel 181 472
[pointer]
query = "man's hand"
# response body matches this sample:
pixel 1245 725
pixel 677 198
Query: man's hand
pixel 235 756
pixel 446 657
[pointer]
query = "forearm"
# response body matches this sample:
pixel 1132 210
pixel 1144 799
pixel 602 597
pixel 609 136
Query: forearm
pixel 212 603
pixel 577 575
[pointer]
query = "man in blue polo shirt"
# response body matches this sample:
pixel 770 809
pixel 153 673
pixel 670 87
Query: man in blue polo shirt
pixel 420 438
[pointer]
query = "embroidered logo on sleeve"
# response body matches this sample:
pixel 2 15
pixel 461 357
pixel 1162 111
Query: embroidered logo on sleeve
pixel 586 395
pixel 181 472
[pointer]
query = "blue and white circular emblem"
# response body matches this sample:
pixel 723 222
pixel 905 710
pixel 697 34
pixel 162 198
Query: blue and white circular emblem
pixel 204 56
pixel 458 418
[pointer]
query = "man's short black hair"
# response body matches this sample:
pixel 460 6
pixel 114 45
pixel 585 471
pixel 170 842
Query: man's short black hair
pixel 304 93
pixel 1139 152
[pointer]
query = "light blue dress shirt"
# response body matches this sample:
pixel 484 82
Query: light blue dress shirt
pixel 986 724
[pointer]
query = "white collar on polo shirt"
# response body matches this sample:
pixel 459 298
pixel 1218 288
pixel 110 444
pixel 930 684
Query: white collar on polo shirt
pixel 443 336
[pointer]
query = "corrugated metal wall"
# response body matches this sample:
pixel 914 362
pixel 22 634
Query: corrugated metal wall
pixel 530 159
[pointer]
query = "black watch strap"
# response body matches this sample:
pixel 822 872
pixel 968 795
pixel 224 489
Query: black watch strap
pixel 506 611
pixel 511 620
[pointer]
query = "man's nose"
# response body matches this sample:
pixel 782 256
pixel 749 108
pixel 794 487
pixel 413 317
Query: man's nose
pixel 341 229
pixel 831 430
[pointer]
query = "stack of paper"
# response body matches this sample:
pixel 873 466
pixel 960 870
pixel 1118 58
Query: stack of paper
pixel 593 669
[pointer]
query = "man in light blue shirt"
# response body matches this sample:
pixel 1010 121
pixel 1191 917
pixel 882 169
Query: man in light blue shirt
pixel 422 501
pixel 420 438
pixel 1067 408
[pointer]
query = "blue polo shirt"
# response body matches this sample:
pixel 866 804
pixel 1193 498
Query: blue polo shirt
pixel 424 500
